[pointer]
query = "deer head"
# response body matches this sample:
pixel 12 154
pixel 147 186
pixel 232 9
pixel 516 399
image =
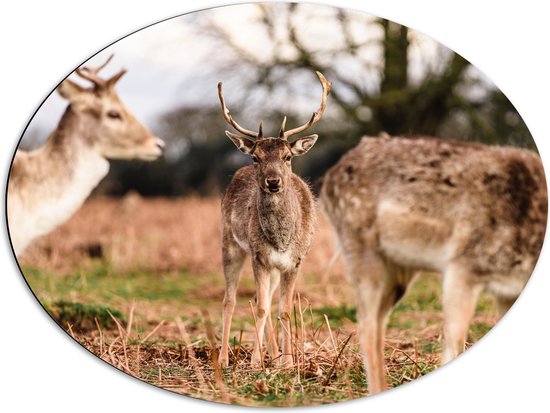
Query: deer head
pixel 110 127
pixel 272 156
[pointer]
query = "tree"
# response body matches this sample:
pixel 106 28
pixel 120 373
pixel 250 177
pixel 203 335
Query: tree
pixel 386 78
pixel 397 103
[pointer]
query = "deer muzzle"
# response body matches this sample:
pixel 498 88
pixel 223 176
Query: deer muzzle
pixel 159 143
pixel 152 149
pixel 273 184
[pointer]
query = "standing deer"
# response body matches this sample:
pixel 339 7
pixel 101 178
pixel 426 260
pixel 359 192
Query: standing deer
pixel 269 213
pixel 48 185
pixel 476 214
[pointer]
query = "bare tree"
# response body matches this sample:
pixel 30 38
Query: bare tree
pixel 374 87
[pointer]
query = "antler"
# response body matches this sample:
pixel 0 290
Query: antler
pixel 316 115
pixel 91 74
pixel 230 120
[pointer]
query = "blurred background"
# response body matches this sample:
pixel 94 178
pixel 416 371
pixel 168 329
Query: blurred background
pixel 385 77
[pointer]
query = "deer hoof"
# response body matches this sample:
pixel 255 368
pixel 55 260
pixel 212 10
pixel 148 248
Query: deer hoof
pixel 286 361
pixel 223 361
pixel 256 360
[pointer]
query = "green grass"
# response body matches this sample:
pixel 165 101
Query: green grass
pixel 79 298
pixel 430 347
pixel 421 305
pixel 478 330
pixel 105 284
pixel 423 296
pixel 336 315
pixel 409 372
pixel 83 316
pixel 286 388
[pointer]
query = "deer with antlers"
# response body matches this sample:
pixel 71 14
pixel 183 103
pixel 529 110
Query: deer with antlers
pixel 399 205
pixel 268 212
pixel 48 185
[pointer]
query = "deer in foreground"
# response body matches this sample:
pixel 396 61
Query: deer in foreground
pixel 474 213
pixel 269 213
pixel 48 185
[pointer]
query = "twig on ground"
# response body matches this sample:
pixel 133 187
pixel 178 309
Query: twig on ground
pixel 101 340
pixel 191 352
pixel 218 377
pixel 153 331
pixel 327 380
pixel 331 336
pixel 130 320
pixel 238 352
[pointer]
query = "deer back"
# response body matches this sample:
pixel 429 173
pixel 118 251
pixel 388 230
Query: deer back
pixel 424 202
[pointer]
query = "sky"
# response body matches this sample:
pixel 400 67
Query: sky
pixel 179 62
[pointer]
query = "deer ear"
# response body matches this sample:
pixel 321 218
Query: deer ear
pixel 245 145
pixel 69 89
pixel 303 145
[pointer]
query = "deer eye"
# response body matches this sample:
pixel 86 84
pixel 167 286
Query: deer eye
pixel 254 159
pixel 288 158
pixel 114 114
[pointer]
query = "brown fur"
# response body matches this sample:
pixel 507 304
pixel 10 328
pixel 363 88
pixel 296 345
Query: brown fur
pixel 473 212
pixel 269 213
pixel 267 226
pixel 282 221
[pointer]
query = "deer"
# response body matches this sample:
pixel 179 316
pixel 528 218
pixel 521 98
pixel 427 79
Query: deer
pixel 269 213
pixel 48 185
pixel 399 205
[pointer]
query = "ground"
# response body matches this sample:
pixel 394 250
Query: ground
pixel 138 282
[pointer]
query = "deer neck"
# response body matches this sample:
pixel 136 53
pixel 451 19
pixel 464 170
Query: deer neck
pixel 71 152
pixel 71 166
pixel 278 217
pixel 50 184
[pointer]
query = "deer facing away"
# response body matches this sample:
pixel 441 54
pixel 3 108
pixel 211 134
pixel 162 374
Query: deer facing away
pixel 269 213
pixel 476 214
pixel 48 185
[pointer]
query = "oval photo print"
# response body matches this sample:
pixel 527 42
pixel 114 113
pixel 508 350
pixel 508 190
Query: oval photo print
pixel 307 206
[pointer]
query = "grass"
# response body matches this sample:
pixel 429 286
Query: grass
pixel 142 306
pixel 83 316
pixel 420 307
pixel 133 320
pixel 104 284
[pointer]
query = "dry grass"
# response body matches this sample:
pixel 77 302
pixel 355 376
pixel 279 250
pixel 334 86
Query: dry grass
pixel 164 234
pixel 153 234
pixel 327 367
pixel 131 278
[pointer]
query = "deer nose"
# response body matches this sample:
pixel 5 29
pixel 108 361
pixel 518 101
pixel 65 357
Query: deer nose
pixel 273 182
pixel 159 143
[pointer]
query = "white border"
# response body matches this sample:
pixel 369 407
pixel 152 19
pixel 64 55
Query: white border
pixel 42 368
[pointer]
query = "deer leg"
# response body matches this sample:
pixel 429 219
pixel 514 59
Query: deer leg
pixel 460 294
pixel 262 279
pixel 373 285
pixel 272 347
pixel 233 260
pixel 286 298
pixel 504 304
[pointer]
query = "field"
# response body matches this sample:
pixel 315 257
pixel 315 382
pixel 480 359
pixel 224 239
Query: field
pixel 138 282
